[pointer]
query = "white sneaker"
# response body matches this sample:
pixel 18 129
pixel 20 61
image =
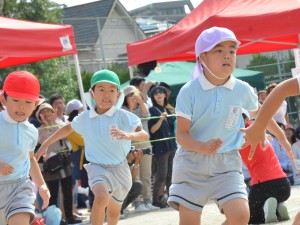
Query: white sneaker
pixel 141 208
pixel 270 210
pixel 283 213
pixel 122 216
pixel 151 207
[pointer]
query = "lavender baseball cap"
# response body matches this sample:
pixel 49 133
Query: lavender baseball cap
pixel 207 40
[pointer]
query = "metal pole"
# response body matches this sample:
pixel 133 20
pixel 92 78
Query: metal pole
pixel 100 42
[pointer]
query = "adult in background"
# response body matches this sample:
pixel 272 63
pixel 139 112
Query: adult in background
pixel 46 115
pixel 58 104
pixel 164 150
pixel 133 102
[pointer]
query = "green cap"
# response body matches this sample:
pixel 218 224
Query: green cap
pixel 105 76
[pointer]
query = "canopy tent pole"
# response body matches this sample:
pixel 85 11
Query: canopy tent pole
pixel 76 61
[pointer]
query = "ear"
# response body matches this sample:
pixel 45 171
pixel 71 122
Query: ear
pixel 92 93
pixel 3 100
pixel 36 104
pixel 119 94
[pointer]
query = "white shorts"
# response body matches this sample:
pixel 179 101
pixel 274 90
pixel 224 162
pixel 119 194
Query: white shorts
pixel 198 178
pixel 16 196
pixel 117 179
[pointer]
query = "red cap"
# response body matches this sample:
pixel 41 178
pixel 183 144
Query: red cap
pixel 22 84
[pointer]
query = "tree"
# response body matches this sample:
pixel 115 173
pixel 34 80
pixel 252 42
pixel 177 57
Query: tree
pixel 267 64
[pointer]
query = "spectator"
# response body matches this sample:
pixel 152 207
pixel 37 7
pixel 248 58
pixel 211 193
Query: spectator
pixel 164 150
pixel 133 159
pixel 58 104
pixel 281 114
pixel 47 116
pixel 133 103
pixel 262 94
pixel 296 153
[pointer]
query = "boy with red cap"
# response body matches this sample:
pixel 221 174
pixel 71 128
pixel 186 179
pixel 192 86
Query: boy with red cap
pixel 207 165
pixel 107 132
pixel 18 138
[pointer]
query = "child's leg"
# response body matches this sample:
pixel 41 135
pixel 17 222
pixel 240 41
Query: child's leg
pixel 236 212
pixel 113 212
pixel 188 216
pixel 19 218
pixel 101 200
pixel 297 219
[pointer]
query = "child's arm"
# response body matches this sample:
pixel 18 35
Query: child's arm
pixel 38 179
pixel 138 135
pixel 5 169
pixel 188 142
pixel 61 133
pixel 255 133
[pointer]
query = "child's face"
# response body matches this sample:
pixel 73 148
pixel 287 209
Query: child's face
pixel 220 60
pixel 105 95
pixel 19 109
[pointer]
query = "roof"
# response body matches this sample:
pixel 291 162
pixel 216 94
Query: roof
pixel 86 30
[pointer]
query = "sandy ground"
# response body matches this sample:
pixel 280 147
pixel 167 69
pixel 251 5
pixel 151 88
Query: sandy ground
pixel 210 216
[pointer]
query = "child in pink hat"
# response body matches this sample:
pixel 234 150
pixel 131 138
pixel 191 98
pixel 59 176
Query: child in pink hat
pixel 207 165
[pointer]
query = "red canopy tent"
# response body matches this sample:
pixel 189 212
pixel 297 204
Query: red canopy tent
pixel 260 25
pixel 24 42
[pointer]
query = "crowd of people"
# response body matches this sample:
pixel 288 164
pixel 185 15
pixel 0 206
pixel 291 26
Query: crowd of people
pixel 142 154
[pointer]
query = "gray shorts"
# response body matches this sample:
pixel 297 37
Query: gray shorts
pixel 198 178
pixel 117 179
pixel 16 196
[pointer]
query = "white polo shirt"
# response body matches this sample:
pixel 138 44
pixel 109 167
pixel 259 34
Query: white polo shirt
pixel 17 139
pixel 216 111
pixel 100 148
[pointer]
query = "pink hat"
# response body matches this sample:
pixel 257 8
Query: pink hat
pixel 207 40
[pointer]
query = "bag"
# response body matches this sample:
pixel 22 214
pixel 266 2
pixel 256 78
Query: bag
pixel 56 163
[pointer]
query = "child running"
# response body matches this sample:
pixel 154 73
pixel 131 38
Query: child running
pixel 107 132
pixel 255 134
pixel 18 138
pixel 207 165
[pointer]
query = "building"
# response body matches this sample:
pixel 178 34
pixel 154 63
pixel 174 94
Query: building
pixel 102 29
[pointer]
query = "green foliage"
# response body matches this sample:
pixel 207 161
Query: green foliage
pixel 34 10
pixel 121 72
pixel 267 64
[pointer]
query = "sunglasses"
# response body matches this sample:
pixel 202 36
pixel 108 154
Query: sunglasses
pixel 158 92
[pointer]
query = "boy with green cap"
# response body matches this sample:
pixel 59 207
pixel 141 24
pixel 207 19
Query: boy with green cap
pixel 18 138
pixel 107 132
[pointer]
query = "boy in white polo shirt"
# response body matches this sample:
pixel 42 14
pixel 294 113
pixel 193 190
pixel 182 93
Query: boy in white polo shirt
pixel 107 132
pixel 18 139
pixel 256 133
pixel 207 165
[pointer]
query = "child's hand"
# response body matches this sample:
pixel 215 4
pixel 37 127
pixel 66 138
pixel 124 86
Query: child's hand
pixel 45 195
pixel 6 169
pixel 211 147
pixel 119 134
pixel 253 137
pixel 41 152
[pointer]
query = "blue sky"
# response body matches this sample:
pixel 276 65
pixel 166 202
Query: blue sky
pixel 128 4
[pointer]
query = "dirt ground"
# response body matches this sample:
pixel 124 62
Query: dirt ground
pixel 210 216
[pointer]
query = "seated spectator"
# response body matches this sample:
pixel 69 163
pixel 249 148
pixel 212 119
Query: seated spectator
pixel 282 156
pixel 296 153
pixel 269 189
pixel 133 158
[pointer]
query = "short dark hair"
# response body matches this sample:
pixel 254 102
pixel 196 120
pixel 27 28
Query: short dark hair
pixel 136 81
pixel 153 90
pixel 54 97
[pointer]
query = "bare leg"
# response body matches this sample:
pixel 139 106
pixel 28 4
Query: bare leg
pixel 19 218
pixel 236 212
pixel 113 212
pixel 188 216
pixel 100 203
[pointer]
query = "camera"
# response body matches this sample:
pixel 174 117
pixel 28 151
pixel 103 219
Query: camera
pixel 146 151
